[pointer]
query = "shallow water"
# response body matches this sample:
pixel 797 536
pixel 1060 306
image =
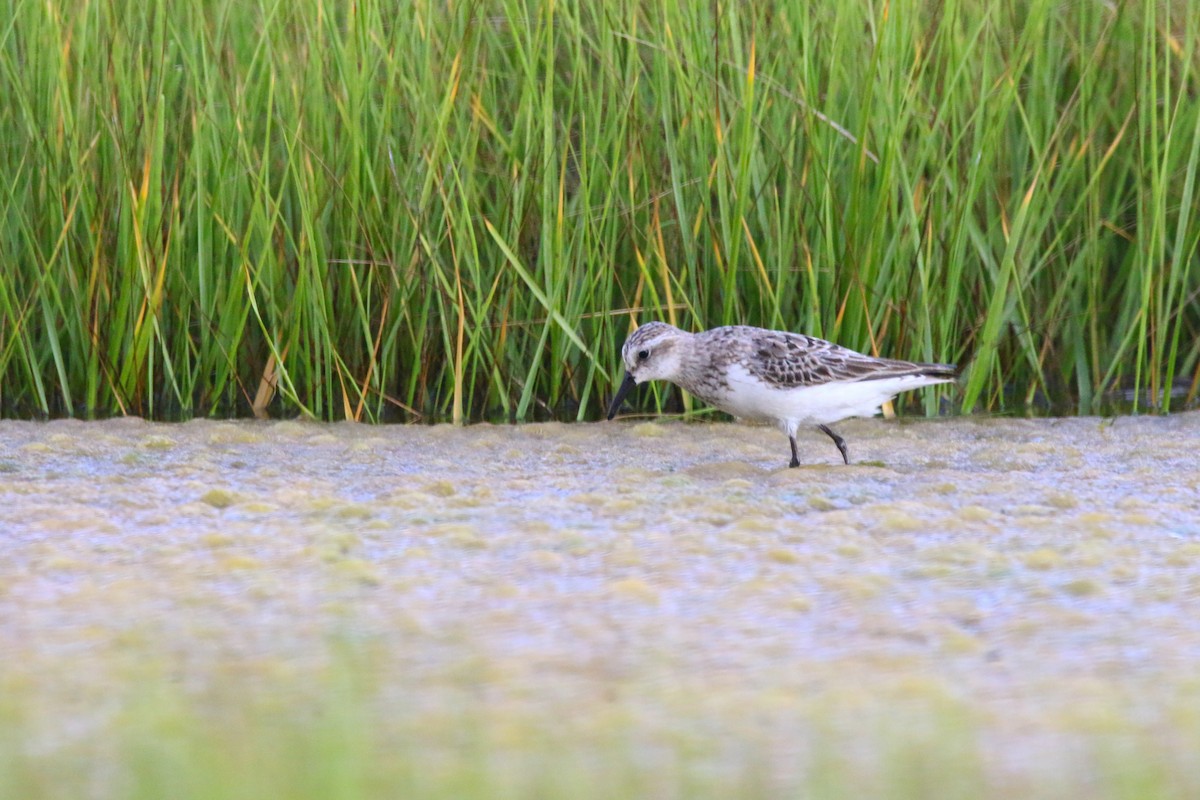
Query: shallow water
pixel 1043 574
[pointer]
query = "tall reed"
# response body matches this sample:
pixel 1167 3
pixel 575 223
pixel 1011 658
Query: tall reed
pixel 422 210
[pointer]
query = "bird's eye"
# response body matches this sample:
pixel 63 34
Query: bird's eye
pixel 643 355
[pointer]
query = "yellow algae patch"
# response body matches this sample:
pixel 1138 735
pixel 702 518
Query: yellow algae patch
pixel 1130 502
pixel 1094 518
pixel 504 589
pixel 1124 573
pixel 445 529
pixel 1061 500
pixel 441 488
pixel 1094 554
pixel 757 524
pixel 457 534
pixel 310 502
pixel 1093 531
pixel 930 571
pixel 352 511
pixel 634 589
pixel 239 562
pixel 219 498
pixel 623 556
pixel 405 499
pixel 858 587
pixel 335 545
pixel 667 480
pixel 820 503
pixel 543 559
pixel 541 430
pixel 1032 510
pixel 782 555
pixel 1185 555
pixel 479 492
pixel 323 439
pixel 360 571
pixel 1002 460
pixel 722 470
pixel 216 540
pixel 974 513
pixel 467 539
pixel 958 553
pixel 849 550
pixel 956 641
pixel 710 509
pixel 1043 558
pixel 235 434
pixel 292 428
pixel 62 439
pixel 61 563
pixel 1082 587
pixel 590 499
pixel 622 504
pixel 799 603
pixel 894 519
pixel 649 430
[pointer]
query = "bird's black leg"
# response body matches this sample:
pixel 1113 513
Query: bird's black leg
pixel 839 441
pixel 795 458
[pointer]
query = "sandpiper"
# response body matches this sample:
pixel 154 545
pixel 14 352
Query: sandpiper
pixel 787 378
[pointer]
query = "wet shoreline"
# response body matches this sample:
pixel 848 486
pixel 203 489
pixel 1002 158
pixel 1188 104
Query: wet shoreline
pixel 1014 567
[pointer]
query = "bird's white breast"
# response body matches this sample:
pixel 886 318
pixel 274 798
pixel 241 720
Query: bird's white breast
pixel 749 397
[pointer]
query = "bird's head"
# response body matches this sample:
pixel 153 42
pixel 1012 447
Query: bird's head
pixel 652 352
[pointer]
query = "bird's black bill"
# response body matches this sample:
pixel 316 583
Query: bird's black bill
pixel 626 386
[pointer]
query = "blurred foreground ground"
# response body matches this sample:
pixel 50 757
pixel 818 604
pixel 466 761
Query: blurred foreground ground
pixel 667 596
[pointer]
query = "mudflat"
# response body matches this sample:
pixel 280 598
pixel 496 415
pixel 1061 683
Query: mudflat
pixel 1035 580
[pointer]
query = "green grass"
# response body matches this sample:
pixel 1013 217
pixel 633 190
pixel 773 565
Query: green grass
pixel 436 210
pixel 331 738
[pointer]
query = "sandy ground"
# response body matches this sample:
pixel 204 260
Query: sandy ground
pixel 1043 574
